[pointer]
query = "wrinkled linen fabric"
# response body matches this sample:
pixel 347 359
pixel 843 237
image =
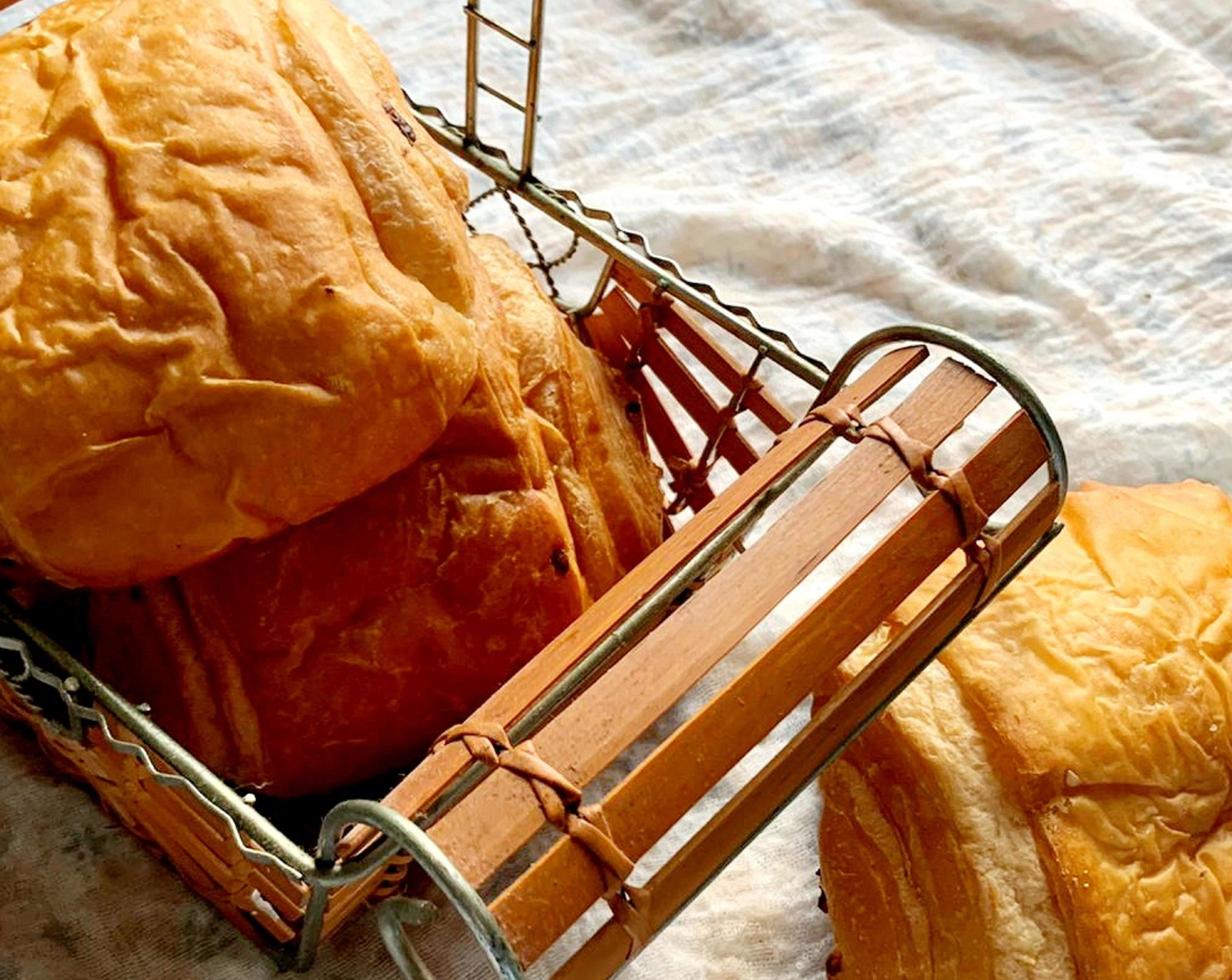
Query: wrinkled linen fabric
pixel 1050 178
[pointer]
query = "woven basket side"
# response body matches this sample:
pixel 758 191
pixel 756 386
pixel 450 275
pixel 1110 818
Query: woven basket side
pixel 261 902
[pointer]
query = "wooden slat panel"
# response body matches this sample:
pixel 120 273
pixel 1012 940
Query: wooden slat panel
pixel 549 897
pixel 670 443
pixel 239 895
pixel 167 834
pixel 660 426
pixel 772 413
pixel 606 333
pixel 277 928
pixel 695 400
pixel 502 813
pixel 686 389
pixel 823 735
pixel 197 878
pixel 431 776
pixel 190 820
pixel 226 872
pixel 169 820
pixel 196 829
pixel 715 358
pixel 188 815
pixel 288 897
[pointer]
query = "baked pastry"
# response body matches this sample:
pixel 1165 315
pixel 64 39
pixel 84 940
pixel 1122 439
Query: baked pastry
pixel 614 509
pixel 250 358
pixel 1051 799
pixel 341 648
pixel 213 236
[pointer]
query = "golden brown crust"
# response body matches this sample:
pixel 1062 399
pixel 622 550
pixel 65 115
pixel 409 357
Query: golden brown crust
pixel 866 879
pixel 209 239
pixel 610 489
pixel 920 841
pixel 1093 698
pixel 341 648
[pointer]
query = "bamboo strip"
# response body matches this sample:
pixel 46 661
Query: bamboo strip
pixel 168 820
pixel 430 777
pixel 711 848
pixel 543 903
pixel 501 814
pixel 624 327
pixel 287 897
pixel 879 379
pixel 685 388
pixel 716 359
pixel 695 400
pixel 670 443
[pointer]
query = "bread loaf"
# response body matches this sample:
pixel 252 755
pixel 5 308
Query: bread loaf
pixel 342 647
pixel 1051 799
pixel 333 470
pixel 233 291
pixel 614 508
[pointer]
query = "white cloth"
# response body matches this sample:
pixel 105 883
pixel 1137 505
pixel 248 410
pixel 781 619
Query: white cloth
pixel 1050 176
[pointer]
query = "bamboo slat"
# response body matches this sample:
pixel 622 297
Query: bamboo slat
pixel 708 851
pixel 170 821
pixel 684 386
pixel 668 440
pixel 695 400
pixel 554 892
pixel 620 334
pixel 660 426
pixel 501 814
pixel 430 777
pixel 716 359
pixel 768 409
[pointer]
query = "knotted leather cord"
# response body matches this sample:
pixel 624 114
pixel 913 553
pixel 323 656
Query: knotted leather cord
pixel 561 802
pixel 981 548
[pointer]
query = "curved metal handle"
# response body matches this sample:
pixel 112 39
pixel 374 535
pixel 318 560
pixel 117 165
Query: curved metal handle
pixel 392 917
pixel 395 913
pixel 1014 384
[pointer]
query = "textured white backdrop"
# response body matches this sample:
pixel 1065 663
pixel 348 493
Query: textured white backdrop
pixel 1050 177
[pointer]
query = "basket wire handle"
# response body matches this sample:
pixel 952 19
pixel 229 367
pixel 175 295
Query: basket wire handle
pixel 392 917
pixel 529 107
pixel 396 913
pixel 981 546
pixel 1013 383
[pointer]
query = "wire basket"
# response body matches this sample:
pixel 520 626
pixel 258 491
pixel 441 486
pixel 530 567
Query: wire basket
pixel 751 512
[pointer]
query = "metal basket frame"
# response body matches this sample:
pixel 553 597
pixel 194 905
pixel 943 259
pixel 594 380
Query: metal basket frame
pixel 36 661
